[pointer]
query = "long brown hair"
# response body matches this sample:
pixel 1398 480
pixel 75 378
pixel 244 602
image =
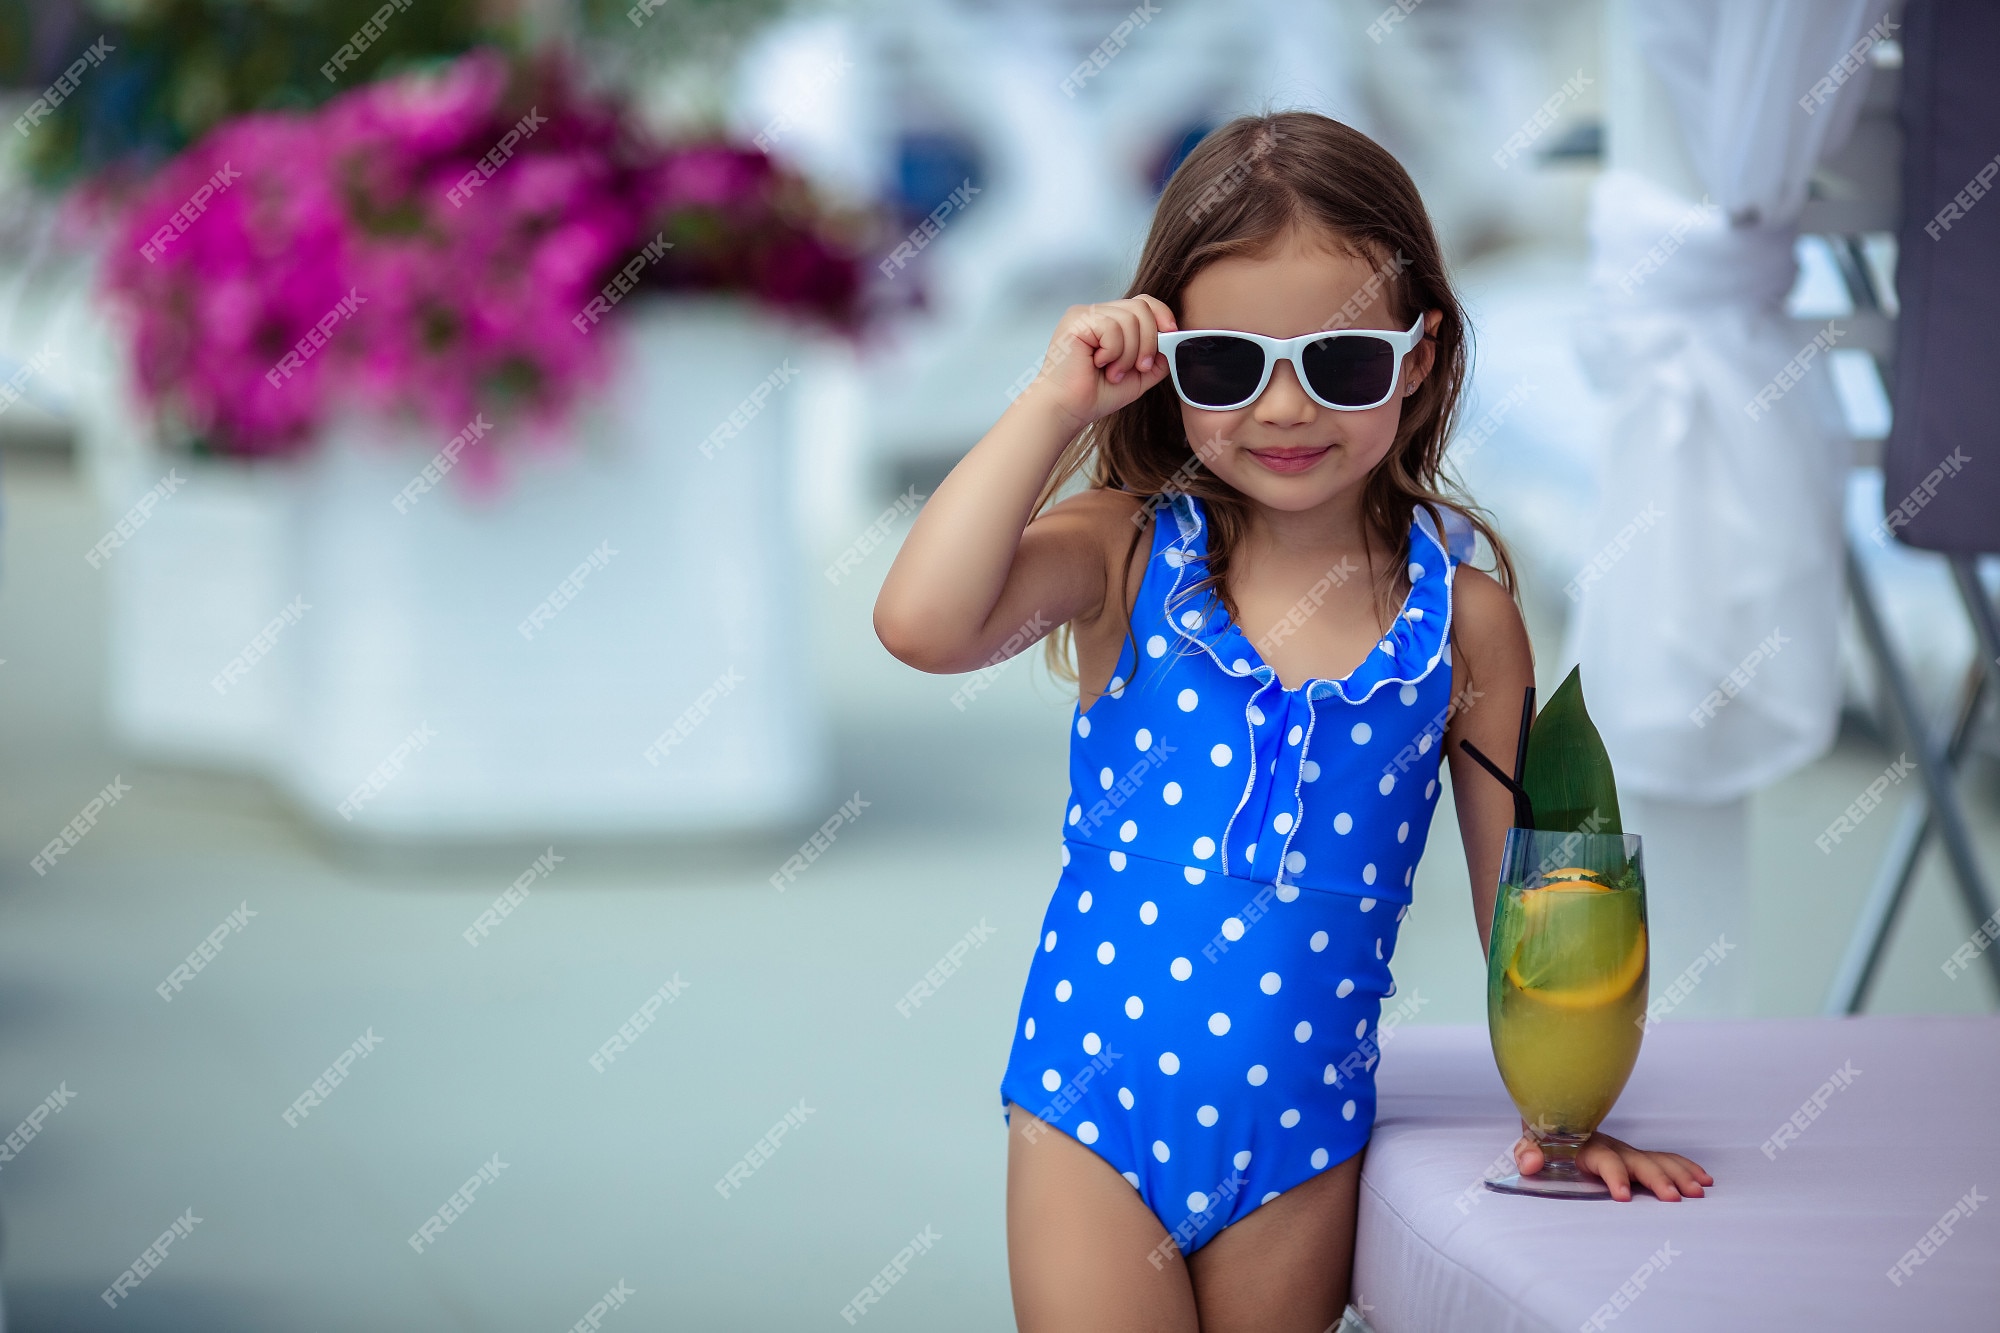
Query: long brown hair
pixel 1238 192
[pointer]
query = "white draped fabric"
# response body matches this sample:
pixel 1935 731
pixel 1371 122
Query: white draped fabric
pixel 1718 572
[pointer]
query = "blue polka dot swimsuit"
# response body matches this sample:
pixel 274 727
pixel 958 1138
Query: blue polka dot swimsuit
pixel 1202 1004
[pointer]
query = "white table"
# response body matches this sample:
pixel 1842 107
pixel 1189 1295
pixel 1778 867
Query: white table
pixel 1801 1238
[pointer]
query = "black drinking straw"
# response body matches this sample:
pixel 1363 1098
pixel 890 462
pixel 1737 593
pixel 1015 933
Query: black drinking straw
pixel 1524 809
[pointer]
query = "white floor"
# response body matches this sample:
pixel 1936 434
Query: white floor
pixel 610 1176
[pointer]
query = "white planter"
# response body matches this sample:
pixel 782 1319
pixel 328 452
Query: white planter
pixel 414 617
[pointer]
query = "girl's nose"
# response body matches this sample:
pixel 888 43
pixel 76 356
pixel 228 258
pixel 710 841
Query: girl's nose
pixel 1284 401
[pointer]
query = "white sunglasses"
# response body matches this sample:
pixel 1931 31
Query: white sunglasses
pixel 1348 370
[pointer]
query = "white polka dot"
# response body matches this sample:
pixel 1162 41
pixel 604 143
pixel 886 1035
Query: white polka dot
pixel 1125 1098
pixel 1131 1178
pixel 1367 904
pixel 1083 726
pixel 1156 646
pixel 1408 694
pixel 1219 756
pixel 1063 991
pixel 1416 571
pixel 1268 1197
pixel 1361 1028
pixel 1117 860
pixel 1368 873
pixel 1232 928
pixel 1378 948
pixel 1283 823
pixel 1250 852
pixel 1187 699
pixel 1303 1032
pixel 1197 1202
pixel 1241 666
pixel 1361 732
pixel 1290 1118
pixel 1286 892
pixel 1191 619
pixel 1255 714
pixel 1029 1030
pixel 1128 830
pixel 1402 911
pixel 1257 1075
pixel 1319 1159
pixel 1065 853
pixel 1105 777
pixel 1169 1063
pixel 1083 899
pixel 1075 813
pixel 1051 1080
pixel 1195 874
pixel 1207 1115
pixel 1204 847
pixel 1406 880
pixel 1160 1149
pixel 1318 941
pixel 1295 861
pixel 1293 736
pixel 1049 942
pixel 1218 1023
pixel 1171 793
pixel 1092 1043
pixel 1430 789
pixel 1181 968
pixel 1310 770
pixel 1143 738
pixel 1347 1111
pixel 1134 1006
pixel 1106 952
pixel 1329 1076
pixel 1343 822
pixel 1172 555
pixel 1424 743
pixel 1403 831
pixel 1387 646
pixel 1344 989
pixel 1387 784
pixel 1086 1133
pixel 1242 1159
pixel 1414 613
pixel 1149 912
pixel 1269 983
pixel 1117 690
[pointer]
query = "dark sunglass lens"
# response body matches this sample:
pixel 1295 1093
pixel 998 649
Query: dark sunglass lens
pixel 1352 372
pixel 1218 372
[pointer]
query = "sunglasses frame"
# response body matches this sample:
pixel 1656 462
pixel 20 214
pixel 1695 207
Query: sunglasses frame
pixel 1290 349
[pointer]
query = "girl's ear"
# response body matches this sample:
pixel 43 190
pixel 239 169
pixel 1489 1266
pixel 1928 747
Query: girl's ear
pixel 1424 354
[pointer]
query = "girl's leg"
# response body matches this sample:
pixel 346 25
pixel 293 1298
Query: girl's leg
pixel 1083 1250
pixel 1285 1267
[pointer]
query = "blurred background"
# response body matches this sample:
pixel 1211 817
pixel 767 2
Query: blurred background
pixel 448 455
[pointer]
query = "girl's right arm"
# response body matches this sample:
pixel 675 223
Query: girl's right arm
pixel 974 572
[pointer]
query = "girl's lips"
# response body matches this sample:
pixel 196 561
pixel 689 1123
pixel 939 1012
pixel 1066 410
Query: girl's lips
pixel 1289 460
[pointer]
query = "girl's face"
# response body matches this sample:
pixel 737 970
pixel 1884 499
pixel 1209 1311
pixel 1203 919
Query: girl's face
pixel 1284 450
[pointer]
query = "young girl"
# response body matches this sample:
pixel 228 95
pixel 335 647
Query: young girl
pixel 1276 644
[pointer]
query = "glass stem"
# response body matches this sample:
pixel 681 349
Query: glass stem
pixel 1559 1156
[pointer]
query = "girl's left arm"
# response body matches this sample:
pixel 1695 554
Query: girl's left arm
pixel 1491 664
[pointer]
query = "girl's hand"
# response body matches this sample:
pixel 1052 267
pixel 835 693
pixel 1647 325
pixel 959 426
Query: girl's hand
pixel 1617 1163
pixel 1102 357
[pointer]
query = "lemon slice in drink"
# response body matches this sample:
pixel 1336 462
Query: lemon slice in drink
pixel 1581 944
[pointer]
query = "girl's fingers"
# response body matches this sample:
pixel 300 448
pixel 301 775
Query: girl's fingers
pixel 1163 317
pixel 1130 347
pixel 1109 336
pixel 1677 1170
pixel 1693 1167
pixel 1604 1161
